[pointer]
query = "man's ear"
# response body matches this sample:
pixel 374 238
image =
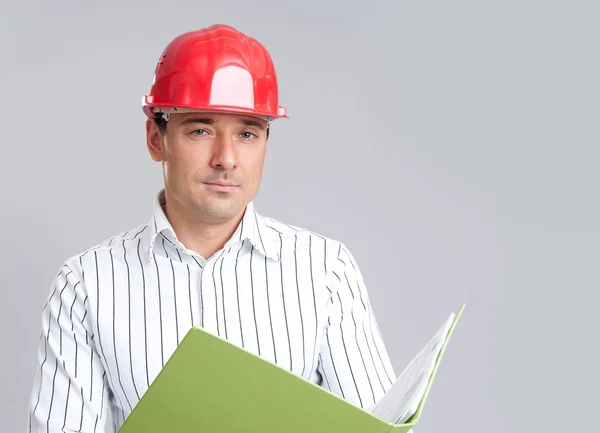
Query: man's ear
pixel 154 141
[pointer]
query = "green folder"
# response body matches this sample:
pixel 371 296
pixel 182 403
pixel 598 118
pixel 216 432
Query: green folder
pixel 209 385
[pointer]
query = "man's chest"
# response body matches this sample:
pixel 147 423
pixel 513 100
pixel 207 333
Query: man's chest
pixel 141 311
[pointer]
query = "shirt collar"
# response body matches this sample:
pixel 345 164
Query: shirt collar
pixel 253 228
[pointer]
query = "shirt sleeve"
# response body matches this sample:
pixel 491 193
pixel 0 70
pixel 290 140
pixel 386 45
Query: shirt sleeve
pixel 70 391
pixel 353 360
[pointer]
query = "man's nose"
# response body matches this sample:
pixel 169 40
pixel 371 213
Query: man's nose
pixel 224 155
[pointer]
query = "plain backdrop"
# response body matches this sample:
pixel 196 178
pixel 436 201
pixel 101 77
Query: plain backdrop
pixel 452 145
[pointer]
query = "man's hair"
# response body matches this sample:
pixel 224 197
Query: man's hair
pixel 161 124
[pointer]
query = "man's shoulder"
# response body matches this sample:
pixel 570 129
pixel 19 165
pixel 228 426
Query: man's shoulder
pixel 299 235
pixel 124 239
pixel 286 230
pixel 297 241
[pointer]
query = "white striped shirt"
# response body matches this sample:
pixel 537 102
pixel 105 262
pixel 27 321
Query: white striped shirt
pixel 117 312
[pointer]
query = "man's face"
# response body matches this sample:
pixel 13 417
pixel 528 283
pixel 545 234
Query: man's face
pixel 212 162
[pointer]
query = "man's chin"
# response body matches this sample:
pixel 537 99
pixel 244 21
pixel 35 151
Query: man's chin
pixel 219 210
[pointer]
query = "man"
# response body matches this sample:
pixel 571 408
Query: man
pixel 117 311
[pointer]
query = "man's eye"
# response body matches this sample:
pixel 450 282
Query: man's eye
pixel 199 132
pixel 248 135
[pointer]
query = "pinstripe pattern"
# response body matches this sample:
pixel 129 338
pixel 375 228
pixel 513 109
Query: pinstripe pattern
pixel 117 312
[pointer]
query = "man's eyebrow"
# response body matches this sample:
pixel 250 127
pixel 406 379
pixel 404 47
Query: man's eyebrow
pixel 249 122
pixel 205 120
pixel 209 121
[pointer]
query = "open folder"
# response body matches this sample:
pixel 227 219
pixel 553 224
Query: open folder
pixel 210 385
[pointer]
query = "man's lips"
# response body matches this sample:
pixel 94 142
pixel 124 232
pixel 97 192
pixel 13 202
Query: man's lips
pixel 221 186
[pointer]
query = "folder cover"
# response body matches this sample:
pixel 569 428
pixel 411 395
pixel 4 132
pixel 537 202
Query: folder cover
pixel 210 385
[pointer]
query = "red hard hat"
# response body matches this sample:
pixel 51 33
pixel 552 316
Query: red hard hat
pixel 215 69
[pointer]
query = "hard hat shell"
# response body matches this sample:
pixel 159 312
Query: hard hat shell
pixel 217 68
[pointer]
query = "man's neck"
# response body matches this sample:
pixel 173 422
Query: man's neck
pixel 205 238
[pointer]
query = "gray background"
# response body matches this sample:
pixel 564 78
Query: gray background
pixel 452 145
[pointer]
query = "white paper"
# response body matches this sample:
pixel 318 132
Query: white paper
pixel 403 398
